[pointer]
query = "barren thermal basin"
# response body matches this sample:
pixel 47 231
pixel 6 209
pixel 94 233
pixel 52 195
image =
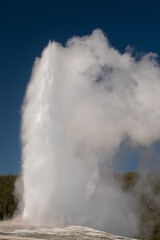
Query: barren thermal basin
pixel 18 229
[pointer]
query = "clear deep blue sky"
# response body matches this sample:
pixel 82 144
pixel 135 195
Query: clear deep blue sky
pixel 27 26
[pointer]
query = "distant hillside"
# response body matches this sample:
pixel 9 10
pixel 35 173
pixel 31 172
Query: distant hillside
pixel 147 191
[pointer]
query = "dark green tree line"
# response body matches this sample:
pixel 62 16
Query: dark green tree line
pixel 8 203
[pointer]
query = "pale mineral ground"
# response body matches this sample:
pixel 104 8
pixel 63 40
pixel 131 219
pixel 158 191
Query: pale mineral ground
pixel 19 229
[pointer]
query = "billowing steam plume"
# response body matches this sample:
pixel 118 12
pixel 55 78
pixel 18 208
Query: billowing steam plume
pixel 82 102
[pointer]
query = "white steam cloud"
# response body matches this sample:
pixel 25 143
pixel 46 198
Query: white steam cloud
pixel 82 101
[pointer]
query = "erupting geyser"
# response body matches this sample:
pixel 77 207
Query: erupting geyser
pixel 82 101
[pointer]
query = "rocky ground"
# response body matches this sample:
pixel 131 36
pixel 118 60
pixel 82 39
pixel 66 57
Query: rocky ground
pixel 17 229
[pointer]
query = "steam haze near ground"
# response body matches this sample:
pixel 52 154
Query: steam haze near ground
pixel 82 102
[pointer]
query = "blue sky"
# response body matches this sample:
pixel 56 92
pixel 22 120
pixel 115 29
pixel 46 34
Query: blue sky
pixel 27 26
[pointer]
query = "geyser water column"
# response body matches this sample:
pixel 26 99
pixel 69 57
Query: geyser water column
pixel 82 101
